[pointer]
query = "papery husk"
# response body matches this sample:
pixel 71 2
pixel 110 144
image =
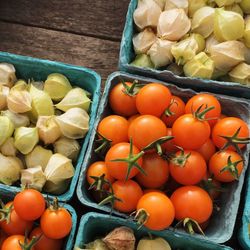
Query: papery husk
pixel 176 4
pixel 26 139
pixel 201 66
pixel 42 104
pixel 227 55
pixel 18 120
pixel 241 74
pixel 173 24
pixel 186 49
pixel 57 86
pixel 56 188
pixel 20 85
pixel 203 21
pixel 121 238
pixel 39 156
pixel 48 129
pixel 143 41
pixel 33 178
pixel 175 68
pixel 38 84
pixel 228 25
pixel 194 5
pixel 8 147
pixel 142 61
pixel 245 6
pixel 7 74
pixel 6 128
pixel 153 244
pixel 160 53
pixel 235 8
pixel 67 147
pixel 75 98
pixel 10 169
pixel 247 55
pixel 222 3
pixel 247 31
pixel 161 3
pixel 19 101
pixel 218 74
pixel 146 14
pixel 210 41
pixel 94 245
pixel 74 123
pixel 4 92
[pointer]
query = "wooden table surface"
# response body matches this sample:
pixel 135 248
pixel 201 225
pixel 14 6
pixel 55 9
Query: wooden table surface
pixel 80 32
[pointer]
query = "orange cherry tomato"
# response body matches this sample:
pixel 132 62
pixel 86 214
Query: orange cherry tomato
pixel 146 191
pixel 192 202
pixel 97 169
pixel 207 150
pixel 132 118
pixel 169 146
pixel 114 128
pixel 220 160
pixel 122 102
pixel 156 170
pixel 159 209
pixel 228 127
pixel 175 109
pixel 120 169
pixel 3 237
pixel 207 100
pixel 145 129
pixel 45 243
pixel 129 192
pixel 153 99
pixel 188 167
pixel 189 132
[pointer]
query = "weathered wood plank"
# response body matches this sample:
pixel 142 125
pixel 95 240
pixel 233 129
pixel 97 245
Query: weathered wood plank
pixel 100 55
pixel 103 19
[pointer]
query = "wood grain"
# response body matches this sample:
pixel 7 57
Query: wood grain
pixel 100 55
pixel 103 19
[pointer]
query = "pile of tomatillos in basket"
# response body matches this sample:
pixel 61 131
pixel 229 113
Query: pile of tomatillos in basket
pixel 40 124
pixel 198 38
pixel 168 161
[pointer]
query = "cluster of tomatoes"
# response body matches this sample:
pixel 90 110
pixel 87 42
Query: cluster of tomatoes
pixel 20 219
pixel 167 158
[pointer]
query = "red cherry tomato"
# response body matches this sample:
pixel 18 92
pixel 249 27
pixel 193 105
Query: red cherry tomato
pixel 169 146
pixel 207 149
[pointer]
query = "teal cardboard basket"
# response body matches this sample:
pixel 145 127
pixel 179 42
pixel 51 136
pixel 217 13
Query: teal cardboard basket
pixel 69 240
pixel 222 224
pixel 244 232
pixel 27 68
pixel 93 225
pixel 127 55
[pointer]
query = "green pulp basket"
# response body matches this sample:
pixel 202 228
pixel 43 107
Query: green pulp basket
pixel 222 224
pixel 127 55
pixel 93 225
pixel 27 68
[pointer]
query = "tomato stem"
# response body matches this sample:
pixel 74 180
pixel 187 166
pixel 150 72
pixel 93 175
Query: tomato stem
pixel 99 182
pixel 189 224
pixel 141 217
pixel 199 114
pixel 130 90
pixel 104 144
pixel 5 212
pixel 180 160
pixel 55 204
pixel 29 245
pixel 168 112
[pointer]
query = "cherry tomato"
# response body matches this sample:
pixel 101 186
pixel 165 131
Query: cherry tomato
pixel 146 191
pixel 153 99
pixel 119 170
pixel 189 132
pixel 220 160
pixel 145 129
pixel 207 149
pixel 222 116
pixel 3 237
pixel 192 202
pixel 29 204
pixel 188 167
pixel 122 102
pixel 175 109
pixel 207 101
pixel 114 128
pixel 97 169
pixel 129 192
pixel 159 208
pixel 132 118
pixel 169 146
pixel 16 225
pixel 13 243
pixel 56 222
pixel 228 127
pixel 45 243
pixel 156 170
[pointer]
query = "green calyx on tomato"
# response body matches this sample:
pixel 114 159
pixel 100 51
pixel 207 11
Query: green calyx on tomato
pixel 168 112
pixel 5 212
pixel 232 167
pixel 131 160
pixel 99 182
pixel 130 90
pixel 199 114
pixel 141 216
pixel 234 140
pixel 190 225
pixel 104 144
pixel 209 186
pixel 181 159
